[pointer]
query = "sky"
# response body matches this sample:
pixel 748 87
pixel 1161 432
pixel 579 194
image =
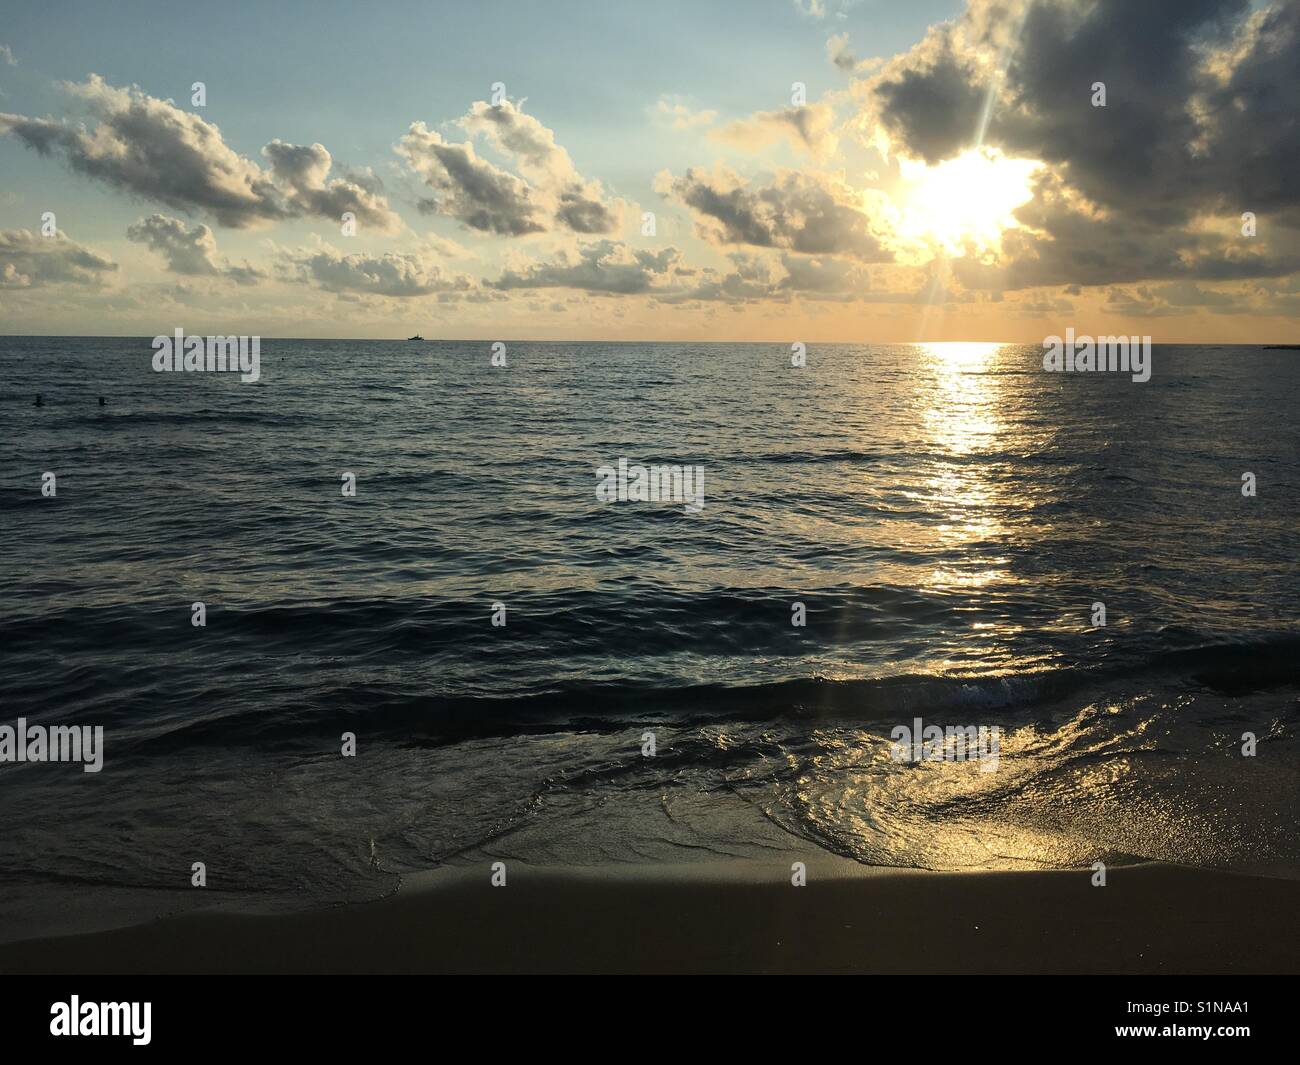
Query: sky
pixel 785 170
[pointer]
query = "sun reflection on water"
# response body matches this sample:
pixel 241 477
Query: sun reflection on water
pixel 960 419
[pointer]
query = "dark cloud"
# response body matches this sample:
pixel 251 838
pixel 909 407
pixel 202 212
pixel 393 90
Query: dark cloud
pixel 582 213
pixel 932 105
pixel 1064 241
pixel 1144 151
pixel 1200 124
pixel 1252 117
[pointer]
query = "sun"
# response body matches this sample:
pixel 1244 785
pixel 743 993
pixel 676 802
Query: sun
pixel 963 202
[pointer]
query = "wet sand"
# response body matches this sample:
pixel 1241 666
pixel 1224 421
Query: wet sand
pixel 735 917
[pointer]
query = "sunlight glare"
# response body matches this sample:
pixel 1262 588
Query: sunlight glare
pixel 965 202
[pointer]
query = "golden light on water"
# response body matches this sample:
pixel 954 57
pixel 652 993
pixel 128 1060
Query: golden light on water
pixel 961 418
pixel 961 354
pixel 961 411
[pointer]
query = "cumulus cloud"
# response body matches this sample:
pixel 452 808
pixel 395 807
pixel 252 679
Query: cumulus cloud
pixel 468 188
pixel 603 266
pixel 545 193
pixel 613 268
pixel 932 109
pixel 809 128
pixel 400 275
pixel 1067 240
pixel 28 260
pixel 1202 122
pixel 803 212
pixel 303 170
pixel 191 251
pixel 152 149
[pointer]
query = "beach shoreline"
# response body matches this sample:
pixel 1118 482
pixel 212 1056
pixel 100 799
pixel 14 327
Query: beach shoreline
pixel 730 917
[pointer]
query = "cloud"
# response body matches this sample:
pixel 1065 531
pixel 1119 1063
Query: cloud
pixel 821 9
pixel 1179 298
pixel 1140 303
pixel 1202 123
pixel 837 51
pixel 547 192
pixel 825 277
pixel 809 128
pixel 1188 294
pixel 930 101
pixel 675 112
pixel 753 278
pixel 1045 306
pixel 304 171
pixel 400 275
pixel 811 213
pixel 7 56
pixel 604 266
pixel 1066 240
pixel 152 149
pixel 446 247
pixel 472 190
pixel 762 277
pixel 31 261
pixel 191 251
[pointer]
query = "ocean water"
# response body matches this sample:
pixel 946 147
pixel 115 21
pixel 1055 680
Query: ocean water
pixel 948 515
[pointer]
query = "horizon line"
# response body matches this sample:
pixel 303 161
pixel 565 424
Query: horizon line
pixel 611 340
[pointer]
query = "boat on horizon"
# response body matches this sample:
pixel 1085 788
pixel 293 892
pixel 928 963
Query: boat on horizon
pixel 416 337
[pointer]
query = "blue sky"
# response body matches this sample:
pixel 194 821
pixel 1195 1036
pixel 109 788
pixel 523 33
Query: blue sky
pixel 354 76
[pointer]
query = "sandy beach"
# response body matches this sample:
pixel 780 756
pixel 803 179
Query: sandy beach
pixel 742 917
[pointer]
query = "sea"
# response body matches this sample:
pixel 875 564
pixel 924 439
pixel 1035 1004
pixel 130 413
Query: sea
pixel 428 640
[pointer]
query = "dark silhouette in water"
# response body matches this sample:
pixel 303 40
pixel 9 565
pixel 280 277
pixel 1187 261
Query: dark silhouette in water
pixel 102 401
pixel 39 401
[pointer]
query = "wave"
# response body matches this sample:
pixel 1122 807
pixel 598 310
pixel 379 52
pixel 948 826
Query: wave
pixel 388 713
